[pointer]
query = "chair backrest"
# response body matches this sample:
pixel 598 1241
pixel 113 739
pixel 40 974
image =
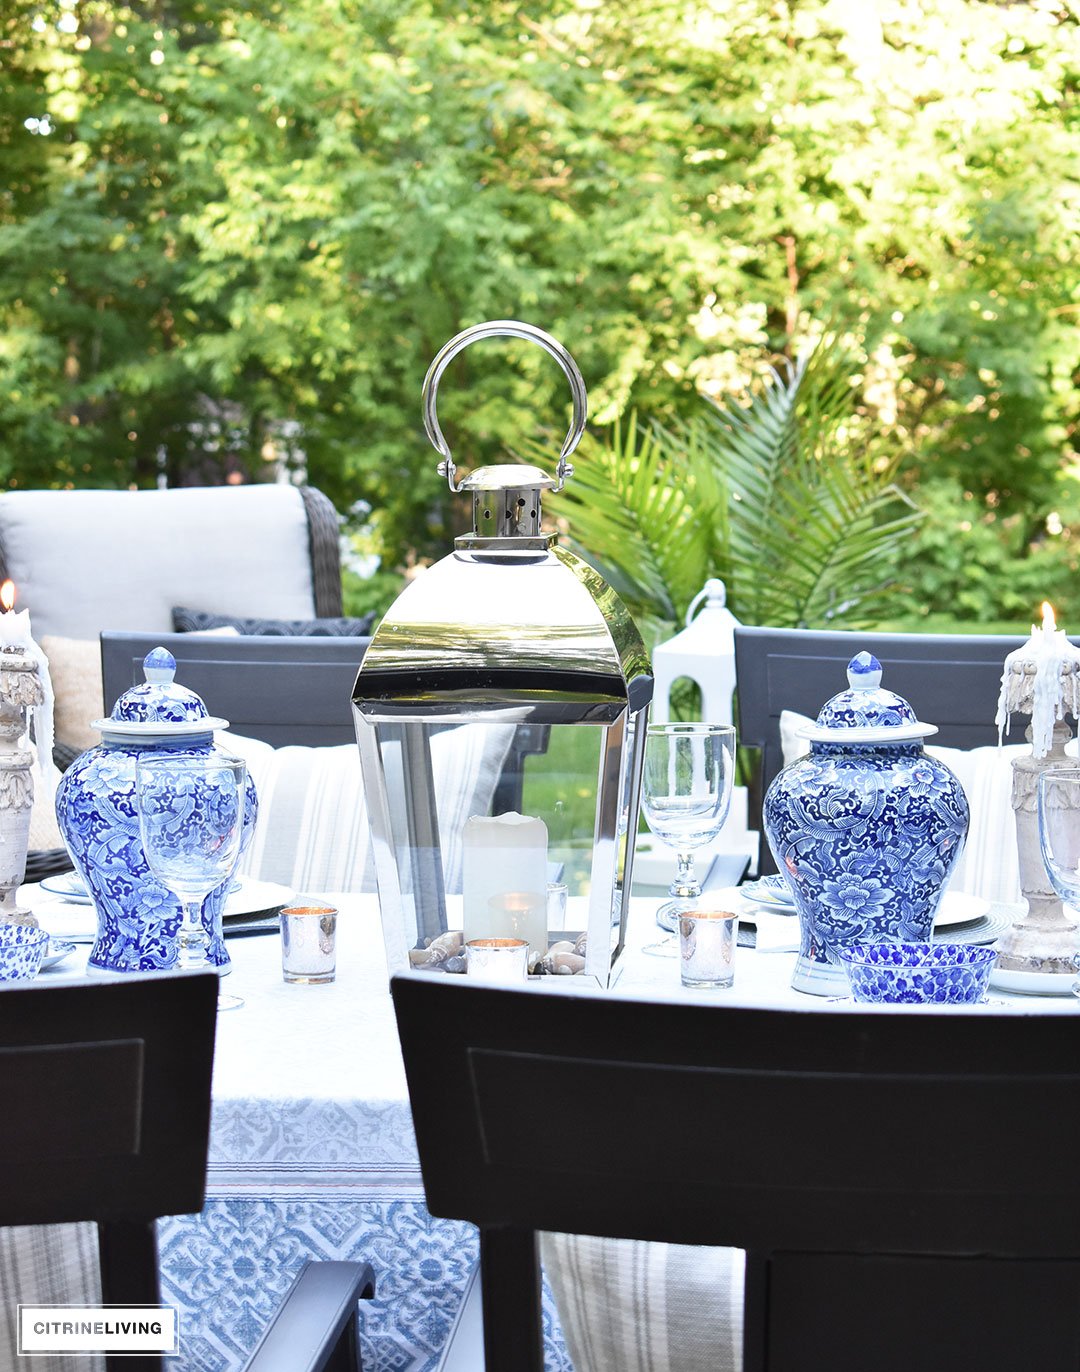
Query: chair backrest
pixel 106 1094
pixel 87 560
pixel 282 690
pixel 951 680
pixel 817 1141
pixel 279 689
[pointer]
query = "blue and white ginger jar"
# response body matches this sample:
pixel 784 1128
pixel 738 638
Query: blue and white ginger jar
pixel 138 918
pixel 866 828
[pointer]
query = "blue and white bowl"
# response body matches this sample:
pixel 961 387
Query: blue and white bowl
pixel 22 950
pixel 918 973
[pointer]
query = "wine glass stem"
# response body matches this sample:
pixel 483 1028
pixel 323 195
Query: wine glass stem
pixel 686 885
pixel 193 946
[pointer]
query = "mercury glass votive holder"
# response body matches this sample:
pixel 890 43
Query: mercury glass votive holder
pixel 500 961
pixel 707 939
pixel 309 943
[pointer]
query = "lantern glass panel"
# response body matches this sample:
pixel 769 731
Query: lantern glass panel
pixel 483 822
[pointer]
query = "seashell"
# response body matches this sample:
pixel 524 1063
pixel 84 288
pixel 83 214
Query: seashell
pixel 579 947
pixel 565 964
pixel 438 950
pixel 445 946
pixel 563 946
pixel 454 964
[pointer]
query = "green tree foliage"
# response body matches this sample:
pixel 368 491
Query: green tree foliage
pixel 243 230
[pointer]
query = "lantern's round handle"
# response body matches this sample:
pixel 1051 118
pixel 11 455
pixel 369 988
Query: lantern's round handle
pixel 504 328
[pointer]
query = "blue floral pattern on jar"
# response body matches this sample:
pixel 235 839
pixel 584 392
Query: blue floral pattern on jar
pixel 866 833
pixel 138 918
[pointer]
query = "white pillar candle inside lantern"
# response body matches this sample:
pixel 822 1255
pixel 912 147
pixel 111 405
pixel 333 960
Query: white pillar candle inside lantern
pixel 510 636
pixel 504 879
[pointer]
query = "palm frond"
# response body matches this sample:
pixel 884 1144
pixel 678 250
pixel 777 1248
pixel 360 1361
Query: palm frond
pixel 635 519
pixel 786 497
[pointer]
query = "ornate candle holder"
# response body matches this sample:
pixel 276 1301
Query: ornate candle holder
pixel 1040 679
pixel 21 689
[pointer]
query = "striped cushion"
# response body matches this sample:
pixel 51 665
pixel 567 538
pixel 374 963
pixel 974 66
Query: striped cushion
pixel 627 1306
pixel 47 1264
pixel 312 832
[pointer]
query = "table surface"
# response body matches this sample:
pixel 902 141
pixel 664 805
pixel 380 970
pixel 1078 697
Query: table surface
pixel 338 1042
pixel 312 1151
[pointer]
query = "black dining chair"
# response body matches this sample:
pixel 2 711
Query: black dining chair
pixel 951 680
pixel 106 1099
pixel 877 1168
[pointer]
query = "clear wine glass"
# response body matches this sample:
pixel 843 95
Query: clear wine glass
pixel 191 817
pixel 1059 836
pixel 686 794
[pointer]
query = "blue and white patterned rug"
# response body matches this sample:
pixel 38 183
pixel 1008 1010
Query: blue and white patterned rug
pixel 229 1268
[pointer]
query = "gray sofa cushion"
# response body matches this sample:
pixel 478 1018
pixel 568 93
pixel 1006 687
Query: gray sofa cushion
pixel 83 561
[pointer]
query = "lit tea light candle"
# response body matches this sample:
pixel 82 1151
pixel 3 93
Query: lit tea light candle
pixel 1041 678
pixel 14 625
pixel 499 961
pixel 504 878
pixel 521 914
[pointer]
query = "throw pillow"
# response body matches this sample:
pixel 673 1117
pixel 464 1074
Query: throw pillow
pixel 44 831
pixel 641 1307
pixel 313 834
pixel 75 669
pixel 187 621
pixel 989 865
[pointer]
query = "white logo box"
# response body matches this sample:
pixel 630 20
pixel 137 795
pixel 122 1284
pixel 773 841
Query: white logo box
pixel 118 1329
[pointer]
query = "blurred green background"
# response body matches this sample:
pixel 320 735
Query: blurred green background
pixel 817 261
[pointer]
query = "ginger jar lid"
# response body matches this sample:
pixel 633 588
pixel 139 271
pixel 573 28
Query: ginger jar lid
pixel 866 712
pixel 158 708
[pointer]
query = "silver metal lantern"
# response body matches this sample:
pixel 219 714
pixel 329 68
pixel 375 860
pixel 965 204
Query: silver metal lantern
pixel 510 647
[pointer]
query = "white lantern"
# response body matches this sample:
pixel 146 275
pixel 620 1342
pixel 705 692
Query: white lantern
pixel 705 652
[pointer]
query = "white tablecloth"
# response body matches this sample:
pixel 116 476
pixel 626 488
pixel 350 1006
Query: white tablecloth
pixel 312 1152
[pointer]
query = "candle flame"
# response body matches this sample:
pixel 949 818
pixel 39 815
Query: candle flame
pixel 1049 623
pixel 7 595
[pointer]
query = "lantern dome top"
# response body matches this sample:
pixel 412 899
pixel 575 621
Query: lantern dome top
pixel 507 476
pixel 509 626
pixel 539 638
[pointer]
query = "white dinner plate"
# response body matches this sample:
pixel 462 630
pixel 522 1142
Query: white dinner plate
pixel 957 907
pixel 57 951
pixel 77 920
pixel 254 896
pixel 770 890
pixel 1032 983
pixel 69 885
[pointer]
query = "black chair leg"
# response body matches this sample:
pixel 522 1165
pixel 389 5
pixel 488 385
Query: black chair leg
pixel 510 1282
pixel 129 1276
pixel 755 1312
